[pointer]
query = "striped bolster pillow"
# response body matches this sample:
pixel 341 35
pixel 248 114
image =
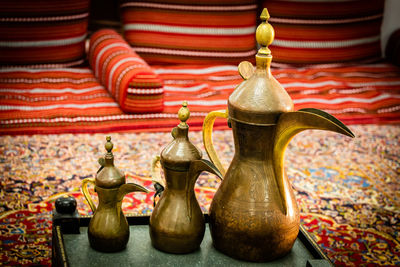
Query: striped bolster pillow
pixel 330 31
pixel 127 77
pixel 44 33
pixel 191 32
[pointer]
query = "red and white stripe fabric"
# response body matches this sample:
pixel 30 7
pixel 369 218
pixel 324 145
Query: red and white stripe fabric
pixel 126 75
pixel 71 100
pixel 329 31
pixel 44 33
pixel 187 32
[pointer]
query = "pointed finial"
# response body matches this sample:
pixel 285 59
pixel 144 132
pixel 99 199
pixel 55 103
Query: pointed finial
pixel 264 15
pixel 184 113
pixel 109 146
pixel 265 33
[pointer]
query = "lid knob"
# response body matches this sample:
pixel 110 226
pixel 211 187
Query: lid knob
pixel 108 146
pixel 260 99
pixel 108 176
pixel 179 154
pixel 265 34
pixel 109 157
pixel 183 114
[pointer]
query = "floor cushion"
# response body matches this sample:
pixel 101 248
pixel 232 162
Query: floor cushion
pixel 315 32
pixel 187 32
pixel 43 33
pixel 71 100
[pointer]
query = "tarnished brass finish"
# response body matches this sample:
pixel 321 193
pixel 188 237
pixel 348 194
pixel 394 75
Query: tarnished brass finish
pixel 108 228
pixel 260 99
pixel 254 215
pixel 177 222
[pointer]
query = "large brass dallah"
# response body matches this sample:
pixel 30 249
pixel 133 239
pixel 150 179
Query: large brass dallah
pixel 254 215
pixel 108 229
pixel 177 223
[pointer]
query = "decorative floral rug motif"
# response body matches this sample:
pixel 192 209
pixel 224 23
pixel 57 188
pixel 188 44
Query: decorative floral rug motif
pixel 348 190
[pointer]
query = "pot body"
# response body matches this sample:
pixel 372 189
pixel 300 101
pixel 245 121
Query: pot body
pixel 248 219
pixel 177 223
pixel 108 229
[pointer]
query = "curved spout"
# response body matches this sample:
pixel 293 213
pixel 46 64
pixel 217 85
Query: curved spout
pixel 289 125
pixel 196 167
pixel 128 188
pixel 125 189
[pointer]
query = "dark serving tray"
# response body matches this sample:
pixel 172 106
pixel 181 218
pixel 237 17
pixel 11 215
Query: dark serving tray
pixel 71 249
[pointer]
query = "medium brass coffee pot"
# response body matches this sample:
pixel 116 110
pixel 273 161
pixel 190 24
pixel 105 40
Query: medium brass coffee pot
pixel 254 214
pixel 177 223
pixel 108 228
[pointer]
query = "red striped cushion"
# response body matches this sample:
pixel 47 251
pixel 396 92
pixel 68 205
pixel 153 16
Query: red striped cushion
pixel 45 33
pixel 126 76
pixel 315 31
pixel 182 31
pixel 71 100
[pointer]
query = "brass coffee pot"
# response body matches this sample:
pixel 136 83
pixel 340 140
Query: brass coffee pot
pixel 108 228
pixel 177 223
pixel 254 214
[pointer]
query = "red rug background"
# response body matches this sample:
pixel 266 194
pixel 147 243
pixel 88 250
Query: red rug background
pixel 347 189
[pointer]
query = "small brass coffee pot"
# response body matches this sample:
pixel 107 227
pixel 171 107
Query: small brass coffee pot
pixel 254 214
pixel 108 228
pixel 177 223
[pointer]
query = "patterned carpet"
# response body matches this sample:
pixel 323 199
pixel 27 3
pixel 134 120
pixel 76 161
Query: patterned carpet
pixel 348 189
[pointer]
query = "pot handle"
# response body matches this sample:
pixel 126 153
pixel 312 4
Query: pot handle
pixel 86 193
pixel 158 182
pixel 207 137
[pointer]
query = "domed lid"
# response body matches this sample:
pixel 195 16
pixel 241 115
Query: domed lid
pixel 178 154
pixel 260 98
pixel 109 176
